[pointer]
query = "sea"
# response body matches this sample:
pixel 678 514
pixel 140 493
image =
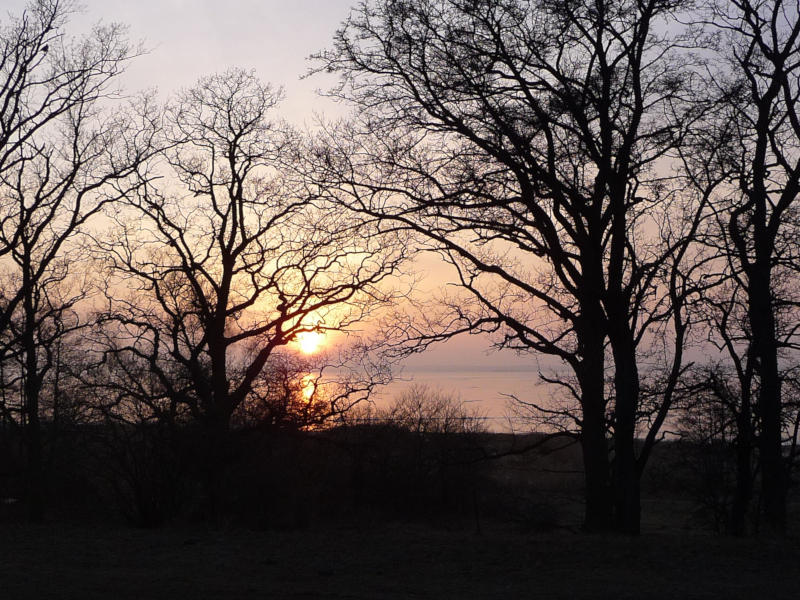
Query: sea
pixel 490 393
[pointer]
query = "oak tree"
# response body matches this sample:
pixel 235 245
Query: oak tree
pixel 528 142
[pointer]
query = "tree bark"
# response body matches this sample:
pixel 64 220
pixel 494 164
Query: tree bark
pixel 625 479
pixel 216 451
pixel 627 504
pixel 33 431
pixel 765 346
pixel 594 444
pixel 744 477
pixel 598 513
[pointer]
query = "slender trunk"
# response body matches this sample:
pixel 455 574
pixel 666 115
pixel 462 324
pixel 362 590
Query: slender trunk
pixel 33 432
pixel 33 442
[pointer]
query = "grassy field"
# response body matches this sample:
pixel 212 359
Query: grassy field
pixel 388 562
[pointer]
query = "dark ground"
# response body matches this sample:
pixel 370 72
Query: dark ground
pixel 295 528
pixel 388 562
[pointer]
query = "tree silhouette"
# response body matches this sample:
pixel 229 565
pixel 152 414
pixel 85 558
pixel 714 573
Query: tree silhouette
pixel 747 152
pixel 63 156
pixel 229 260
pixel 527 143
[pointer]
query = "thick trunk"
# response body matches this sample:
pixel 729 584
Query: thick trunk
pixel 598 514
pixel 773 474
pixel 618 306
pixel 627 505
pixel 218 412
pixel 594 444
pixel 216 451
pixel 743 493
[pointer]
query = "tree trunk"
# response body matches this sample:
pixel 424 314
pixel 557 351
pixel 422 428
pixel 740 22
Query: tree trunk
pixel 594 444
pixel 217 418
pixel 216 444
pixel 627 504
pixel 33 431
pixel 765 347
pixel 743 493
pixel 598 513
pixel 33 442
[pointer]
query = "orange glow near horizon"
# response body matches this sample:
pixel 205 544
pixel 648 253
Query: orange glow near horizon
pixel 310 342
pixel 309 387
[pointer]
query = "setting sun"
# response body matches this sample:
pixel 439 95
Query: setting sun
pixel 309 342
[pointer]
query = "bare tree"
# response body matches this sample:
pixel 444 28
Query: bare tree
pixel 314 392
pixel 227 260
pixel 286 395
pixel 750 146
pixel 716 415
pixel 63 156
pixel 528 142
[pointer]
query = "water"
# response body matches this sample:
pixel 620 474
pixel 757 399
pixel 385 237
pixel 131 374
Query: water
pixel 487 391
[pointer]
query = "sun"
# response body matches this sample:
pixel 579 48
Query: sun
pixel 309 342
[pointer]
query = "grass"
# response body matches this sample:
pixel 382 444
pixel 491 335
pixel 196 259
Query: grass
pixel 389 561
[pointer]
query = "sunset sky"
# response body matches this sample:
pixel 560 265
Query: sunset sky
pixel 187 39
pixel 219 285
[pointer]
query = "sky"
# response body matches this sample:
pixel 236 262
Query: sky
pixel 188 39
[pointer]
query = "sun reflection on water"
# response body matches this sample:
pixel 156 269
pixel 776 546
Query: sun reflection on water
pixel 308 385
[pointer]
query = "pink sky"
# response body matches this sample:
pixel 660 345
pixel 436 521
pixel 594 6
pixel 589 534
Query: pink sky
pixel 188 39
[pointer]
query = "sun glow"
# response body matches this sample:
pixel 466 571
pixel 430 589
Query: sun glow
pixel 309 384
pixel 309 342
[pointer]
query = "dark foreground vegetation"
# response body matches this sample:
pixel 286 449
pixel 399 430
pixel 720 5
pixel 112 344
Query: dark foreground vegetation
pixel 374 511
pixel 361 476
